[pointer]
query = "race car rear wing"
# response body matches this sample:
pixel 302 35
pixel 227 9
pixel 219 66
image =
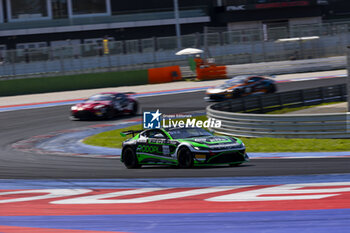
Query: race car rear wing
pixel 133 132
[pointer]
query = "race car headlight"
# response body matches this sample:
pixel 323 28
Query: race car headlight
pixel 74 107
pixel 99 106
pixel 240 144
pixel 200 148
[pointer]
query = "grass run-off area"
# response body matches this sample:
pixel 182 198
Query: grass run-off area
pixel 287 110
pixel 113 139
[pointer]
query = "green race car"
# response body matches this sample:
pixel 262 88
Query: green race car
pixel 184 147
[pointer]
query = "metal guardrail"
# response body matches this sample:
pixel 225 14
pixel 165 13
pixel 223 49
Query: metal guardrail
pixel 239 116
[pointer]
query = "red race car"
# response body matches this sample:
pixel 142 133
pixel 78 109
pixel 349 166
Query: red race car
pixel 105 105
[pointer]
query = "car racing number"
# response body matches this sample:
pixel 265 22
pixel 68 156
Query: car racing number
pixel 148 149
pixel 153 146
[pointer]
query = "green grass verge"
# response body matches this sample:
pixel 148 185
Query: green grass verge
pixel 72 82
pixel 111 138
pixel 295 145
pixel 288 110
pixel 114 140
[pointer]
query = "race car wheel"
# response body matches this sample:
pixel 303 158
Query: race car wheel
pixel 272 89
pixel 109 113
pixel 130 159
pixel 236 93
pixel 184 158
pixel 134 109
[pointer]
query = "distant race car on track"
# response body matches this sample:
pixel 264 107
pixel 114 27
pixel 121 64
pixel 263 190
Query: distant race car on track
pixel 105 105
pixel 184 147
pixel 241 85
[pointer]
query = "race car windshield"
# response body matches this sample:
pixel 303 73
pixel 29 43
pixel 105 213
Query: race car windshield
pixel 232 82
pixel 100 98
pixel 188 133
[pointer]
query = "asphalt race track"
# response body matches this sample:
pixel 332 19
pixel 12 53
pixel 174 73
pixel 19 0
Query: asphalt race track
pixel 22 124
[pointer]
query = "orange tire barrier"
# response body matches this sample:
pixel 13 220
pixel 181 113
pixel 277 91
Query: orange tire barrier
pixel 211 72
pixel 164 74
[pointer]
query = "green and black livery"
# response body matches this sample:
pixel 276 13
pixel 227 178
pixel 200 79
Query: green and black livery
pixel 183 147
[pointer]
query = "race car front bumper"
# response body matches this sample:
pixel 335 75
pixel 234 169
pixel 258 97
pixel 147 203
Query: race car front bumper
pixel 86 114
pixel 215 97
pixel 222 157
